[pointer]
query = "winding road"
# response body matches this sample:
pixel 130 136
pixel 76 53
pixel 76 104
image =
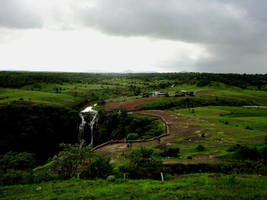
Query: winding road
pixel 174 128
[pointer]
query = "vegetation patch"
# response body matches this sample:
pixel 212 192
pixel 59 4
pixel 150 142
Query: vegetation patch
pixel 192 186
pixel 120 125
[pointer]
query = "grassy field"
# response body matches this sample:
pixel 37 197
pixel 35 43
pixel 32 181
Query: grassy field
pixel 192 186
pixel 64 94
pixel 119 89
pixel 213 95
pixel 219 128
pixel 8 96
pixel 242 117
pixel 122 89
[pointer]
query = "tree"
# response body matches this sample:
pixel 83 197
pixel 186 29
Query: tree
pixel 142 164
pixel 69 162
pixel 14 160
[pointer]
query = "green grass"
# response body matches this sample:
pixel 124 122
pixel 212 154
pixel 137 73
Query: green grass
pixel 66 88
pixel 65 94
pixel 250 118
pixel 220 90
pixel 10 95
pixel 70 94
pixel 223 127
pixel 209 95
pixel 192 186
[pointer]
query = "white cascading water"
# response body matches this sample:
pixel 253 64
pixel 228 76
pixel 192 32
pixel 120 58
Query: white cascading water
pixel 81 131
pixel 87 111
pixel 92 123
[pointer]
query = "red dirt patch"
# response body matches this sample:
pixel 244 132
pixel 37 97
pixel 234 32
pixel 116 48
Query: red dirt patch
pixel 176 130
pixel 129 105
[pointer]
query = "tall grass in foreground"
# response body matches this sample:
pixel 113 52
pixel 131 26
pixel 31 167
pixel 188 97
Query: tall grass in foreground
pixel 192 186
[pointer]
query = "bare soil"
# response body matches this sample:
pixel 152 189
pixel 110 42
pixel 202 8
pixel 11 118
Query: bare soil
pixel 176 129
pixel 128 105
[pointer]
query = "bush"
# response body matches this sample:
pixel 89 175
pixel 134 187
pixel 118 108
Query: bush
pixel 170 152
pixel 68 163
pixel 234 148
pixel 11 177
pixel 146 95
pixel 42 176
pixel 248 153
pixel 76 162
pixel 249 128
pixel 200 148
pixel 14 160
pixel 98 167
pixel 264 154
pixel 142 164
pixel 132 136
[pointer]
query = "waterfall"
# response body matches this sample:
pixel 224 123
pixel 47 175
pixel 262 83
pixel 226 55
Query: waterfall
pixel 81 131
pixel 90 113
pixel 92 123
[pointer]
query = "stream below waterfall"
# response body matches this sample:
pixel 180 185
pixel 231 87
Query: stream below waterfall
pixel 88 117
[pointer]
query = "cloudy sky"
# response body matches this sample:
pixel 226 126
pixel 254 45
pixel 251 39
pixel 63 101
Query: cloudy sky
pixel 138 35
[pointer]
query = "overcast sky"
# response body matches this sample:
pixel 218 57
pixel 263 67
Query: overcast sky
pixel 138 35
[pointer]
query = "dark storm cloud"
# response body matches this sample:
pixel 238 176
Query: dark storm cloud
pixel 234 32
pixel 16 14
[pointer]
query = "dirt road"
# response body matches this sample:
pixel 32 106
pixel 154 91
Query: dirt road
pixel 175 126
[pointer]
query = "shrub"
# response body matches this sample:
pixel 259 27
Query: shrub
pixel 11 177
pixel 142 164
pixel 200 148
pixel 189 157
pixel 14 160
pixel 68 163
pixel 45 175
pixel 76 162
pixel 234 148
pixel 264 154
pixel 248 153
pixel 140 154
pixel 132 136
pixel 97 167
pixel 145 95
pixel 245 153
pixel 171 152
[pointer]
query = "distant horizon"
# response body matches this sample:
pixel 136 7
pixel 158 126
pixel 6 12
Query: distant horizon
pixel 133 72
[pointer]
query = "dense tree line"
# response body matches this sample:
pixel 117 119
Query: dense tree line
pixel 36 129
pixel 120 125
pixel 157 80
pixel 19 79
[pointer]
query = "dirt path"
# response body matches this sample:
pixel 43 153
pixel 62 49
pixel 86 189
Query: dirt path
pixel 128 105
pixel 175 130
